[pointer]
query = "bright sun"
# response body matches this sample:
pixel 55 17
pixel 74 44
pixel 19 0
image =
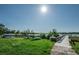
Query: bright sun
pixel 43 9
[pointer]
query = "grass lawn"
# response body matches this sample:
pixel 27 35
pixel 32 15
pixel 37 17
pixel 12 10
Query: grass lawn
pixel 76 46
pixel 20 46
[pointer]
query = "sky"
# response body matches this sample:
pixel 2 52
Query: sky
pixel 63 17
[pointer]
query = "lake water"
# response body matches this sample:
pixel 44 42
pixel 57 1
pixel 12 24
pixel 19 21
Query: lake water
pixel 74 35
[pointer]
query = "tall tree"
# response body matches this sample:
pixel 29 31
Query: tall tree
pixel 49 34
pixel 55 33
pixel 13 31
pixel 2 29
pixel 17 32
pixel 7 31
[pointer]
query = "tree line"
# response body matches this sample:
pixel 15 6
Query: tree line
pixel 5 30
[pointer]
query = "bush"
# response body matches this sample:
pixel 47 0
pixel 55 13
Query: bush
pixel 48 36
pixel 52 38
pixel 42 35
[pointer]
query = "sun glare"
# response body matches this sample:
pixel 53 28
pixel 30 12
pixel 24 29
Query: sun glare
pixel 43 9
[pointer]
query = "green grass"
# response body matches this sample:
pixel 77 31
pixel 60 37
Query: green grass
pixel 76 46
pixel 20 46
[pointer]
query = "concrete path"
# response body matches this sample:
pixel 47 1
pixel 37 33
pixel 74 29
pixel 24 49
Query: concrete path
pixel 63 47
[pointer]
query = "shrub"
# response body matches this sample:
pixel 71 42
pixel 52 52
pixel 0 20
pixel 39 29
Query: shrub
pixel 48 36
pixel 42 35
pixel 52 38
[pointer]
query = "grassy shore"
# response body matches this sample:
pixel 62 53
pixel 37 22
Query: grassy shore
pixel 75 46
pixel 20 46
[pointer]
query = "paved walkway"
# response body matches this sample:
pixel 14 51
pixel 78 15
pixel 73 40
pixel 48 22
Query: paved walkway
pixel 63 47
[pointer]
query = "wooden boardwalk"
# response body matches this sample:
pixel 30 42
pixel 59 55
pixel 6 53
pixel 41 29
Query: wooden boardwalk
pixel 63 47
